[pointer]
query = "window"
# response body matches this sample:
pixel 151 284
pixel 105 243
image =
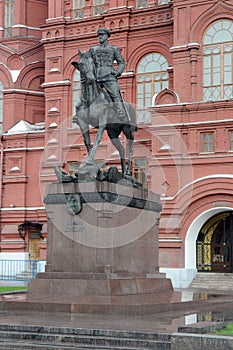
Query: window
pixel 98 7
pixel 9 17
pixel 152 77
pixel 208 142
pixel 76 90
pixel 1 106
pixel 231 140
pixel 78 8
pixel 73 168
pixel 163 2
pixel 139 170
pixel 142 3
pixel 218 61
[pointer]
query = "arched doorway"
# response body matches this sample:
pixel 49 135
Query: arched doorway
pixel 215 244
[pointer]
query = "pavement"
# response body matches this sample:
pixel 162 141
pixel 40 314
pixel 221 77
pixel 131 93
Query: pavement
pixel 207 306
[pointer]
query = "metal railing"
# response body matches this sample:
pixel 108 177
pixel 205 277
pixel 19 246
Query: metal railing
pixel 214 257
pixel 20 270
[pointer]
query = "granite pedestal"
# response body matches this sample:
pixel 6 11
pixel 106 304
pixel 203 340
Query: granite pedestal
pixel 102 247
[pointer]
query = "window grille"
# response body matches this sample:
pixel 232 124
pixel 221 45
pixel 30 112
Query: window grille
pixel 76 90
pixel 142 3
pixel 78 9
pixel 139 170
pixel 98 7
pixel 8 17
pixel 1 106
pixel 208 142
pixel 231 141
pixel 152 77
pixel 163 2
pixel 218 61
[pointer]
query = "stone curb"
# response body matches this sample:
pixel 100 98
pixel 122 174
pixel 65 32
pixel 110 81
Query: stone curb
pixel 194 337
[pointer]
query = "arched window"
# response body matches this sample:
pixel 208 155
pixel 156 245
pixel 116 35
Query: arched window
pixel 152 77
pixel 218 61
pixel 76 90
pixel 1 106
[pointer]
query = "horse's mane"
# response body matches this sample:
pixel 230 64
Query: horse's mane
pixel 86 54
pixel 91 90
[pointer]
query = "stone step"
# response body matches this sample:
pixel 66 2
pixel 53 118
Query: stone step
pixel 228 283
pixel 37 337
pixel 214 279
pixel 210 287
pixel 217 281
pixel 208 284
pixel 6 345
pixel 56 339
pixel 204 275
pixel 85 331
pixel 21 345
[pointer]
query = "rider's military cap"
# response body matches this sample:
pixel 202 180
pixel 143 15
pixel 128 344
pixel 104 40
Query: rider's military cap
pixel 103 30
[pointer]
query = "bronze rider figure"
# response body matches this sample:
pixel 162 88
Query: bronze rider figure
pixel 104 56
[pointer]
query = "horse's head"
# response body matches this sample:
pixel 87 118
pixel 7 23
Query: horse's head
pixel 86 67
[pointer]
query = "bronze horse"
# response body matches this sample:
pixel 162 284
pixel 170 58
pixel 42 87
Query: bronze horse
pixel 96 109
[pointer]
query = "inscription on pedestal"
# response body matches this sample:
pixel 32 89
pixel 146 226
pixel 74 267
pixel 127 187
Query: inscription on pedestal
pixel 76 226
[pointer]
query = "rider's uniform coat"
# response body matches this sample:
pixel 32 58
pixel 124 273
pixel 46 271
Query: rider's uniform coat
pixel 104 57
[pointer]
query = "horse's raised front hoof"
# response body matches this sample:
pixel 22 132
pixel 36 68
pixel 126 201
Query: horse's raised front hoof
pixel 127 177
pixel 127 174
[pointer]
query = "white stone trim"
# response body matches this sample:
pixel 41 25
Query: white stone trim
pixel 60 82
pixel 213 176
pixel 32 92
pixel 171 240
pixel 23 26
pixel 189 124
pixel 193 231
pixel 22 208
pixel 14 74
pixel 23 149
pixel 181 278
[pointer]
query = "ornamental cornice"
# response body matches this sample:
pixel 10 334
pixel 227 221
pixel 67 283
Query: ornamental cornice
pixel 190 46
pixel 193 106
pixel 57 83
pixel 23 91
pixel 86 27
pixel 101 197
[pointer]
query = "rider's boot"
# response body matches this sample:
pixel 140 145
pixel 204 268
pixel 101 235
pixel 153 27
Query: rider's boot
pixel 119 109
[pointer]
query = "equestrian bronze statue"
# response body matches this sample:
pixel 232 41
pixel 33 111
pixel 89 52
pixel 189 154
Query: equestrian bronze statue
pixel 101 104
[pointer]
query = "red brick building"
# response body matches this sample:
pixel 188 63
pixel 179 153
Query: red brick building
pixel 179 77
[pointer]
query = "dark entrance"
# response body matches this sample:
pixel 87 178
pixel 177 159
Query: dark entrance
pixel 215 244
